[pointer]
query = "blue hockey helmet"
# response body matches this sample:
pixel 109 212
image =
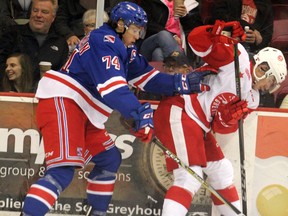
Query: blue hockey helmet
pixel 130 13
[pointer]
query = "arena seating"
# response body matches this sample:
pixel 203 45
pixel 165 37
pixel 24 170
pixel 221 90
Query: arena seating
pixel 280 31
pixel 280 41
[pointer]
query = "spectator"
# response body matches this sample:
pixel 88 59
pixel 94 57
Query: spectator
pixel 36 38
pixel 18 74
pixel 168 39
pixel 256 14
pixel 69 23
pixel 177 63
pixel 109 4
pixel 164 33
pixel 89 20
pixel 15 11
pixel 89 23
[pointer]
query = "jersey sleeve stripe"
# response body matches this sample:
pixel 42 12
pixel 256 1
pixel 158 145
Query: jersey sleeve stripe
pixel 111 85
pixel 141 81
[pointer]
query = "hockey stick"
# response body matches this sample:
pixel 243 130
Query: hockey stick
pixel 240 133
pixel 196 176
pixel 174 157
pixel 89 211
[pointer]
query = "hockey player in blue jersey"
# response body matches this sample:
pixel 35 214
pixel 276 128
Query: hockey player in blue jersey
pixel 75 102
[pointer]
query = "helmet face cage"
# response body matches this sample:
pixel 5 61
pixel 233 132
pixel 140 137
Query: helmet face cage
pixel 130 13
pixel 276 62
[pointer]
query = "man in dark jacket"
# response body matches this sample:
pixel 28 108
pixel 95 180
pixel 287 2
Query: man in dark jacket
pixel 15 11
pixel 37 39
pixel 69 23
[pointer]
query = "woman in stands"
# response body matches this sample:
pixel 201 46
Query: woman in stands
pixel 18 74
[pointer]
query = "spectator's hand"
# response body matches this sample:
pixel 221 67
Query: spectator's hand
pixel 258 37
pixel 180 11
pixel 73 41
pixel 253 37
pixel 178 39
pixel 250 37
pixel 191 82
pixel 143 119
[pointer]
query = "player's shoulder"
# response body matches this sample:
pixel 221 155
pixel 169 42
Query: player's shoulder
pixel 106 38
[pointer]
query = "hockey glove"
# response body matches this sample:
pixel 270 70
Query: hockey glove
pixel 234 29
pixel 228 115
pixel 190 83
pixel 143 120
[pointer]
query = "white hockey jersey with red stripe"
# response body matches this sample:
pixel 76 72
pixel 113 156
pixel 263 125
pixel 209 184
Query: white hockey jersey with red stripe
pixel 202 107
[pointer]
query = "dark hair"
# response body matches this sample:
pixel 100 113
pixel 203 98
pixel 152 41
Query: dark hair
pixel 177 58
pixel 26 83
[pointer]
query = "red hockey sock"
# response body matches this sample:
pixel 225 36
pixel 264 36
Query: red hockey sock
pixel 179 195
pixel 229 193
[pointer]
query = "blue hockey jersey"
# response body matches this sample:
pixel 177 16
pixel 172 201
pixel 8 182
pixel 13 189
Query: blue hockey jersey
pixel 98 74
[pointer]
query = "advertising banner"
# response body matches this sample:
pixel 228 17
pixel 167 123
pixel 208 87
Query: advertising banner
pixel 141 181
pixel 266 161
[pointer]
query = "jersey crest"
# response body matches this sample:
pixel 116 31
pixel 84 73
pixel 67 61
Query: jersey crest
pixel 109 39
pixel 222 98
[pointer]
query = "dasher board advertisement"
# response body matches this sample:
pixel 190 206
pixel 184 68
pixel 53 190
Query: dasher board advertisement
pixel 142 179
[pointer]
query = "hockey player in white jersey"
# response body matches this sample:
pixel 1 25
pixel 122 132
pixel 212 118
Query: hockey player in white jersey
pixel 184 123
pixel 75 102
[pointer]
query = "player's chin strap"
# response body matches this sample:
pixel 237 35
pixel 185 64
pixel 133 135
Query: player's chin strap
pixel 120 34
pixel 196 176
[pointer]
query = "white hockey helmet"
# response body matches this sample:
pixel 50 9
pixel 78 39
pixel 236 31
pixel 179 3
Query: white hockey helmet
pixel 276 62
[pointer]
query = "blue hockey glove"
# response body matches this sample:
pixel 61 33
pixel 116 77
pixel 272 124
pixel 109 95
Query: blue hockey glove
pixel 192 82
pixel 143 119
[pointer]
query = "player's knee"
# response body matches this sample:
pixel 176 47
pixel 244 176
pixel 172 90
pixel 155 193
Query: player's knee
pixel 185 180
pixel 108 160
pixel 220 173
pixel 106 164
pixel 61 177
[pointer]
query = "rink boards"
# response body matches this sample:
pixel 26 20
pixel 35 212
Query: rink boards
pixel 142 179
